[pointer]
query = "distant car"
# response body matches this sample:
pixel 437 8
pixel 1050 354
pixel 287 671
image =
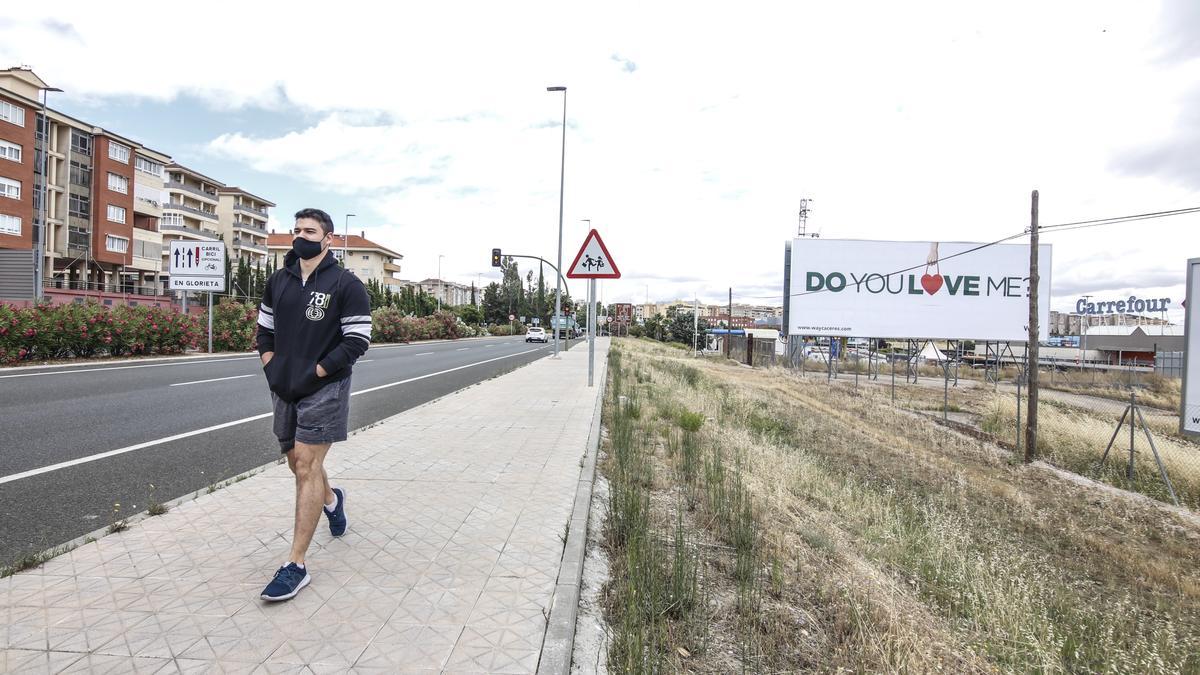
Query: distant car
pixel 536 334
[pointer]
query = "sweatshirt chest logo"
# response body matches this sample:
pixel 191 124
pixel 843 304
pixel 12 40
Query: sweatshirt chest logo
pixel 317 304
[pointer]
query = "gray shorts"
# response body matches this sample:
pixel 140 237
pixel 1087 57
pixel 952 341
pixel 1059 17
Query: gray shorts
pixel 316 419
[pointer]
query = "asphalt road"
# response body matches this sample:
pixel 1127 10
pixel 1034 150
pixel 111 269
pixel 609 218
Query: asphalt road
pixel 181 425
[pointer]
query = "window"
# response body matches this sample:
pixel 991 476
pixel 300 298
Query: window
pixel 10 225
pixel 10 151
pixel 366 257
pixel 116 244
pixel 40 134
pixel 81 206
pixel 118 183
pixel 10 188
pixel 81 174
pixel 81 143
pixel 39 163
pixel 175 219
pixel 118 152
pixel 12 113
pixel 147 166
pixel 116 214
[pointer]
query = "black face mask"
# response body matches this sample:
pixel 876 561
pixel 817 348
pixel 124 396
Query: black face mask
pixel 306 249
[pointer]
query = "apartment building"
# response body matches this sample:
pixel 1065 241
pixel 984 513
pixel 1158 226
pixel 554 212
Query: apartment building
pixel 367 259
pixel 19 94
pixel 110 204
pixel 242 218
pixel 83 180
pixel 450 293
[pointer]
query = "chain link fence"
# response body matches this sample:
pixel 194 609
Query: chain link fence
pixel 1114 424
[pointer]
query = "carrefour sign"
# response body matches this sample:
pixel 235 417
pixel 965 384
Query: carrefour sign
pixel 912 289
pixel 1134 305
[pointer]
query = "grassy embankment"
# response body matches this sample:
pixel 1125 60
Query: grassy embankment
pixel 762 523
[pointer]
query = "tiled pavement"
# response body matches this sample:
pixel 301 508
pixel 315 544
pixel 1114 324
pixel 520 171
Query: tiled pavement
pixel 457 511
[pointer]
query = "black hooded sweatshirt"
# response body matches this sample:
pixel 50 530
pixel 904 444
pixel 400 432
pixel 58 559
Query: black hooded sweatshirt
pixel 326 321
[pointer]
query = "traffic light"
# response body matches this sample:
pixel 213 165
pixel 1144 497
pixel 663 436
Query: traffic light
pixel 495 257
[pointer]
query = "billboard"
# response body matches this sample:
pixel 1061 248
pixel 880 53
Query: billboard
pixel 914 289
pixel 1189 414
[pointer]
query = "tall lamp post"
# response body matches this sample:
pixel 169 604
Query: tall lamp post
pixel 346 242
pixel 39 263
pixel 441 286
pixel 562 174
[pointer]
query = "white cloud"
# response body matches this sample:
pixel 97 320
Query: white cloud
pixel 695 128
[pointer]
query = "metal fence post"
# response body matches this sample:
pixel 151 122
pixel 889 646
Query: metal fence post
pixel 945 392
pixel 893 380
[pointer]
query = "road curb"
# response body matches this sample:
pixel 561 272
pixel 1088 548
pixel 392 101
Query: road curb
pixel 559 642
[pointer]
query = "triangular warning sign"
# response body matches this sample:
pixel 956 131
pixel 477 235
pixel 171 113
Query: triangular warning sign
pixel 593 260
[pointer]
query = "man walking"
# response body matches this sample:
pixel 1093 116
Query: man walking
pixel 313 324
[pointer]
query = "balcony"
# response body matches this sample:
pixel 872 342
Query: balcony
pixel 262 213
pixel 389 267
pixel 250 227
pixel 191 189
pixel 248 245
pixel 188 230
pixel 175 206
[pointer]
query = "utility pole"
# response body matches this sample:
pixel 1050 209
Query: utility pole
pixel 1032 346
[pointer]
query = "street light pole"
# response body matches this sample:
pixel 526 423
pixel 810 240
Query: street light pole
pixel 562 175
pixel 346 242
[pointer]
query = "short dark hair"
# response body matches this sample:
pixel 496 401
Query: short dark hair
pixel 319 216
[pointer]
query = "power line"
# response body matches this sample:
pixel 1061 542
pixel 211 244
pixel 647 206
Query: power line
pixel 1079 224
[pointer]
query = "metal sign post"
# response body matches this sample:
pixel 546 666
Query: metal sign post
pixel 593 262
pixel 591 331
pixel 198 266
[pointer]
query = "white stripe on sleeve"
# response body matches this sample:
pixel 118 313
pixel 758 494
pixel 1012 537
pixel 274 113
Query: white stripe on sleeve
pixel 362 330
pixel 266 320
pixel 356 319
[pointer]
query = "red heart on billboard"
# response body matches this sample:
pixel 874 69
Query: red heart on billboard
pixel 932 283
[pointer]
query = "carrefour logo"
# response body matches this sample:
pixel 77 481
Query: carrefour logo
pixel 966 285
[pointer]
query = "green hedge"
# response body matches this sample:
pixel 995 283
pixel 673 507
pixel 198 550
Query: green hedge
pixel 82 330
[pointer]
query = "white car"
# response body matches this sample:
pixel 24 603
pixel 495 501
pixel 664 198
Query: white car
pixel 535 334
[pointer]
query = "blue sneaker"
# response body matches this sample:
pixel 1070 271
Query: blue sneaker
pixel 337 518
pixel 287 583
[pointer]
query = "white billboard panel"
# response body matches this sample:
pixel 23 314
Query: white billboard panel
pixel 1189 417
pixel 915 289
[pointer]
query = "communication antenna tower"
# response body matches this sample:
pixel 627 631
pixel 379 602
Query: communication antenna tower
pixel 803 230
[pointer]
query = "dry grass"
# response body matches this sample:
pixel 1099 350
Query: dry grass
pixel 886 543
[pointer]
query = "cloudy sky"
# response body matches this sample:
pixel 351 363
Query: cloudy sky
pixel 693 129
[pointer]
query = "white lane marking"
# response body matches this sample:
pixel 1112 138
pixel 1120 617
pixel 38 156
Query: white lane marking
pixel 147 365
pixel 224 425
pixel 462 349
pixel 364 360
pixel 440 372
pixel 423 354
pixel 215 379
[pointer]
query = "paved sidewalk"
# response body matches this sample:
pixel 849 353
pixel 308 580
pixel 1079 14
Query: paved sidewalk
pixel 457 513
